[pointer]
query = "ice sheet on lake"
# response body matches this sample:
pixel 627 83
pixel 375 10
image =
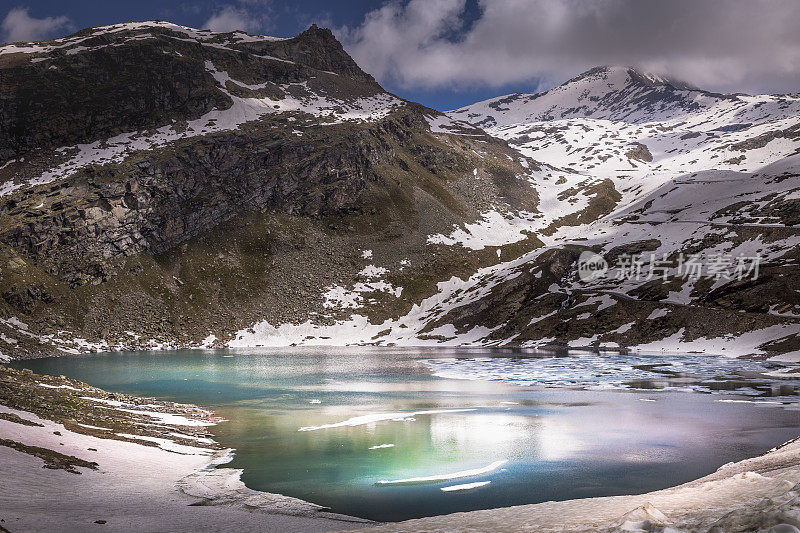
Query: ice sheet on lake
pixel 703 373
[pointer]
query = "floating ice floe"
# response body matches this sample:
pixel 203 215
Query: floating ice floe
pixel 382 417
pixel 465 486
pixel 436 478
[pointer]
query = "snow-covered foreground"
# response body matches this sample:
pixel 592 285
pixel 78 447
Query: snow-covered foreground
pixel 761 494
pixel 137 487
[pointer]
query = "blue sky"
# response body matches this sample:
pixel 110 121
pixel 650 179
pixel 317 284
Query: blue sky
pixel 449 53
pixel 285 18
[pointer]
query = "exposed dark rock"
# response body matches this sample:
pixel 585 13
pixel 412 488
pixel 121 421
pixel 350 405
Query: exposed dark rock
pixel 639 152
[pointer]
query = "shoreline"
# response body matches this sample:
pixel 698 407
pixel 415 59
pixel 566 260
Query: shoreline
pixel 150 467
pixel 23 344
pixel 782 357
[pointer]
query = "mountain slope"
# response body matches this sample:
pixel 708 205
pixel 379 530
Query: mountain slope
pixel 104 81
pixel 695 173
pixel 637 168
pixel 164 185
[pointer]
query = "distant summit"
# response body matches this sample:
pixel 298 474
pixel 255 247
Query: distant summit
pixel 607 92
pixel 635 76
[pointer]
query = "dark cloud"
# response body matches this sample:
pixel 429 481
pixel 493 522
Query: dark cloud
pixel 726 45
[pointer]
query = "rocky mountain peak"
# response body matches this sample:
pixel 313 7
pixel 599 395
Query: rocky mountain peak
pixel 105 81
pixel 606 92
pixel 617 77
pixel 318 48
pixel 659 80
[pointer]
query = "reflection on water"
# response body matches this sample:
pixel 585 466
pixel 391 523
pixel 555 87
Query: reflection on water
pixel 391 434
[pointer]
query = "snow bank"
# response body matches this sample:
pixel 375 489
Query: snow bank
pixel 137 487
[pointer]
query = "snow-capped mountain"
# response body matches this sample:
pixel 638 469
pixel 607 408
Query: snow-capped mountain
pixel 623 94
pixel 635 164
pixel 633 167
pixel 165 186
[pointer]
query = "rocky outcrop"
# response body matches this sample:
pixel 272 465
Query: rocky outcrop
pixel 639 152
pixel 316 48
pixel 160 199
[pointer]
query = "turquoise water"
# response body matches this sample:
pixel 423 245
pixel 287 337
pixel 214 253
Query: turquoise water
pixel 379 433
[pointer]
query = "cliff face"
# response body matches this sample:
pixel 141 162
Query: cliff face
pixel 158 200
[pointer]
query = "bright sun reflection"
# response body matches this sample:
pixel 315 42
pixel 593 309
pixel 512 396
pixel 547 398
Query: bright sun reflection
pixel 505 436
pixel 556 440
pixel 498 434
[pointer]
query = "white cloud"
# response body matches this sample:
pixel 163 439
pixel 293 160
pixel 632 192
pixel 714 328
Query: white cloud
pixel 231 18
pixel 18 25
pixel 725 45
